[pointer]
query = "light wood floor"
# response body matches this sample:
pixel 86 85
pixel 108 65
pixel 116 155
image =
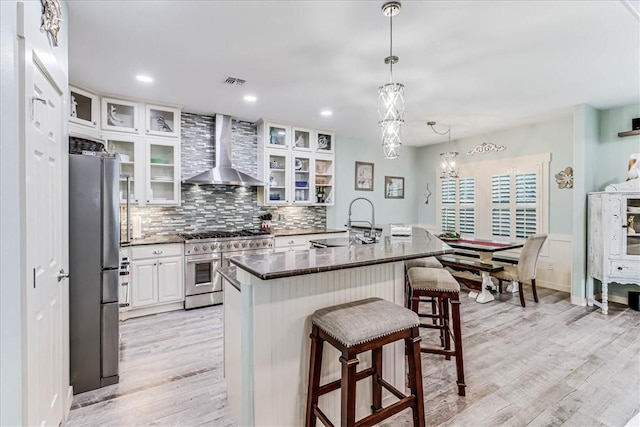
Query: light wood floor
pixel 548 364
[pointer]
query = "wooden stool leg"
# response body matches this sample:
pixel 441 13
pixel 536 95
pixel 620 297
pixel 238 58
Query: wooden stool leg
pixel 412 346
pixel 348 389
pixel 440 318
pixel 446 326
pixel 535 292
pixel 457 336
pixel 376 385
pixel 520 291
pixel 314 376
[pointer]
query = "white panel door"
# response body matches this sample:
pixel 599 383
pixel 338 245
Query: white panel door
pixel 44 156
pixel 144 283
pixel 170 279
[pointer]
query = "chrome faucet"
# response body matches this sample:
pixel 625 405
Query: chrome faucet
pixel 372 224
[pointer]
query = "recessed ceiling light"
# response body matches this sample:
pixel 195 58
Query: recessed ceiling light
pixel 250 98
pixel 326 112
pixel 144 79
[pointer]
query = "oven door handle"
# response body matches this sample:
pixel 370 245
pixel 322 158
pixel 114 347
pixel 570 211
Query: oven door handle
pixel 191 259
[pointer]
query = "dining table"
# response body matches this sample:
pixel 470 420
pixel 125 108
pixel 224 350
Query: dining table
pixel 485 250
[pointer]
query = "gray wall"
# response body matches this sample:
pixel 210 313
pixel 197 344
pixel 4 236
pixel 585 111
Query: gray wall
pixel 207 207
pixel 348 151
pixel 553 136
pixel 608 159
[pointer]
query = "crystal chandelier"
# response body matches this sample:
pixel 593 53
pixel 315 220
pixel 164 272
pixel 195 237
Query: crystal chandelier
pixel 448 165
pixel 391 96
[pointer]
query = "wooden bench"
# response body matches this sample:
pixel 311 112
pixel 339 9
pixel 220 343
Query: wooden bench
pixel 467 269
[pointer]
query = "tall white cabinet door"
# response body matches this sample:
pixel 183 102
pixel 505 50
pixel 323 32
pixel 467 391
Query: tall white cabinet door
pixel 170 286
pixel 143 283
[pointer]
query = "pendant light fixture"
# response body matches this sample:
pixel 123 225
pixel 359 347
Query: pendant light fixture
pixel 448 165
pixel 391 96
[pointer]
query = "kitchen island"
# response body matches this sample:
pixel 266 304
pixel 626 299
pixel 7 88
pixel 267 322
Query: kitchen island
pixel 267 324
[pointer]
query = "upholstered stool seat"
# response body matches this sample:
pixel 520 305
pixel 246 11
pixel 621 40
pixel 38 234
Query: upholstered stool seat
pixel 439 284
pixel 429 262
pixel 353 328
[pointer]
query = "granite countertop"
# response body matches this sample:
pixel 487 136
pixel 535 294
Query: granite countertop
pixel 154 240
pixel 229 273
pixel 303 231
pixel 388 249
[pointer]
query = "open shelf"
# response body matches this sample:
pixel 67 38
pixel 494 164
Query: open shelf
pixel 629 133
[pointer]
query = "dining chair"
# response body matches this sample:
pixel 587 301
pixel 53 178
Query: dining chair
pixel 525 270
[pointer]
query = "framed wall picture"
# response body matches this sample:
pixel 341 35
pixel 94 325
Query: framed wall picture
pixel 393 187
pixel 364 176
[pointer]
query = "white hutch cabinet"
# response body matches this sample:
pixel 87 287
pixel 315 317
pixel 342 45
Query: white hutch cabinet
pixel 298 165
pixel 613 240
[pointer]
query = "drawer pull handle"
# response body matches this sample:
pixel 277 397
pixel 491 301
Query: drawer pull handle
pixel 158 252
pixel 291 242
pixel 620 268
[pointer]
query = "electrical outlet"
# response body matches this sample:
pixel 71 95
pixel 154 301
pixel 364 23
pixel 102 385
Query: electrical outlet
pixel 550 266
pixel 280 217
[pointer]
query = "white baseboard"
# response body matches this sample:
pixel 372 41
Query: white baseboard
pixel 67 409
pixel 562 287
pixel 614 298
pixel 155 309
pixel 578 301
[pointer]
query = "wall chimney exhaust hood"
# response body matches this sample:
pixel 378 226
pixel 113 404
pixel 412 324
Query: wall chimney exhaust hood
pixel 223 173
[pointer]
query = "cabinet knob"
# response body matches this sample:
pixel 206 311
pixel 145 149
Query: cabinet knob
pixel 291 242
pixel 619 267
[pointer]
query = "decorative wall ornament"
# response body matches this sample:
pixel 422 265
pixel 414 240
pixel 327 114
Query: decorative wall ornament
pixel 427 194
pixel 485 148
pixel 51 18
pixel 565 178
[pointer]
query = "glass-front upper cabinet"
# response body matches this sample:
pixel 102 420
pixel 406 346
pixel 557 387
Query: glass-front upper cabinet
pixel 302 168
pixel 632 205
pixel 324 180
pixel 325 142
pixel 84 107
pixel 162 172
pixel 278 173
pixel 302 139
pixel 162 121
pixel 128 151
pixel 119 115
pixel 277 136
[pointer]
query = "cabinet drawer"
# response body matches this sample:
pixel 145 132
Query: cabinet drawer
pixel 628 269
pixel 155 251
pixel 291 241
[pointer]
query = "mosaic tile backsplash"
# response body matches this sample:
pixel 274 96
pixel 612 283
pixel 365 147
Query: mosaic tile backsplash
pixel 221 206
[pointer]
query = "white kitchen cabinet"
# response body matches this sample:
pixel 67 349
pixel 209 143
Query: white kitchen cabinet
pixel 162 121
pixel 120 115
pixel 84 108
pixel 613 247
pixel 298 169
pixel 152 165
pixel 156 275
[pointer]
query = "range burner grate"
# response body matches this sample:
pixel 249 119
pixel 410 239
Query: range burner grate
pixel 220 234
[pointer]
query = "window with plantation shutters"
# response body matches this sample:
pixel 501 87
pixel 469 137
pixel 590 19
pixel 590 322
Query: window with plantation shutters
pixel 526 199
pixel 503 199
pixel 467 208
pixel 501 210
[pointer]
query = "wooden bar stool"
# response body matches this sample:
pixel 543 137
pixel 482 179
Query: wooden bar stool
pixel 436 310
pixel 354 328
pixel 438 283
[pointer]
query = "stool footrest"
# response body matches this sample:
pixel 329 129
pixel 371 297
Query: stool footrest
pixel 334 385
pixel 432 350
pixel 385 413
pixel 392 389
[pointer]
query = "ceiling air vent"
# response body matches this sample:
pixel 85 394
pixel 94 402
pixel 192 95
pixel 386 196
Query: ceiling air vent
pixel 234 81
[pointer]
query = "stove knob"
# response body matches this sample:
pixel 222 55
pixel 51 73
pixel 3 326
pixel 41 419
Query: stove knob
pixel 196 248
pixel 251 244
pixel 264 243
pixel 236 245
pixel 244 244
pixel 228 245
pixel 213 246
pixel 205 247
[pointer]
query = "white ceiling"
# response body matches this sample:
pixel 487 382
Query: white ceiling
pixel 475 65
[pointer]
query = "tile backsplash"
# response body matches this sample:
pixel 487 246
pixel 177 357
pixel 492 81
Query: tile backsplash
pixel 225 207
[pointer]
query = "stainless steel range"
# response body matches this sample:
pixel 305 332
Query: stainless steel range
pixel 206 251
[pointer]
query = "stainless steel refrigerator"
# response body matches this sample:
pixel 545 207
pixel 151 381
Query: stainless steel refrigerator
pixel 94 244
